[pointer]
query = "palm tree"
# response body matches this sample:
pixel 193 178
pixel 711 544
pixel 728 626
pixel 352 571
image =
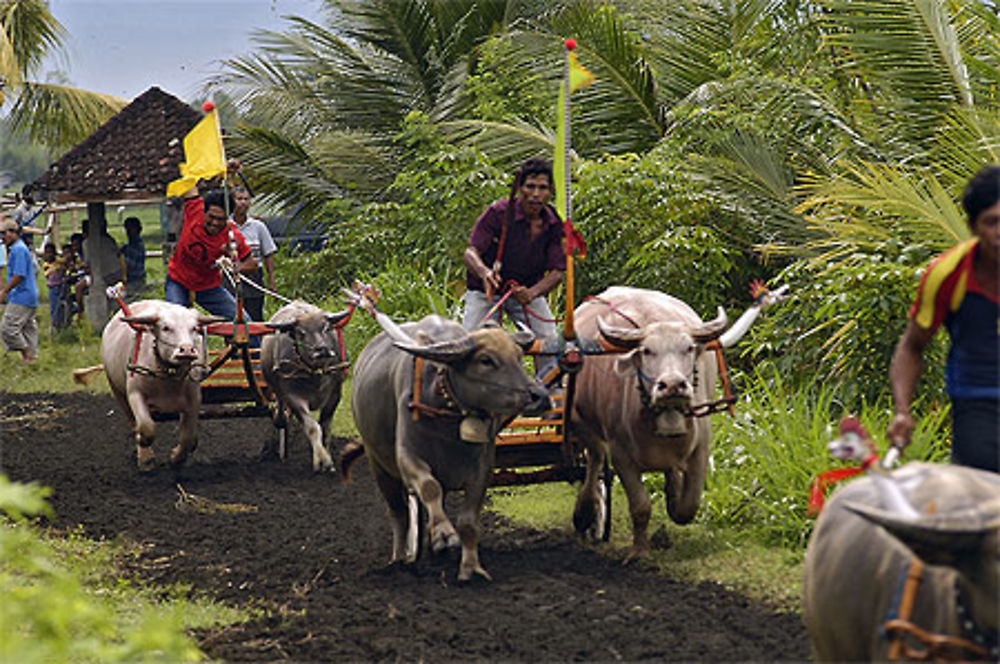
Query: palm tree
pixel 322 103
pixel 54 114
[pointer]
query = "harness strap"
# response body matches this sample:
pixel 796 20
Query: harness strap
pixel 418 381
pixel 416 405
pixel 720 361
pixel 938 646
pixel 910 587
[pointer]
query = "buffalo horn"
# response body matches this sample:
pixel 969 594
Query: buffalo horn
pixel 334 318
pixel 282 326
pixel 524 337
pixel 712 329
pixel 142 320
pixel 453 350
pixel 208 320
pixel 959 530
pixel 620 336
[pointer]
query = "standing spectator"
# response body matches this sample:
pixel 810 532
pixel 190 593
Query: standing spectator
pixel 133 254
pixel 960 289
pixel 25 214
pixel 19 328
pixel 77 270
pixel 54 268
pixel 262 245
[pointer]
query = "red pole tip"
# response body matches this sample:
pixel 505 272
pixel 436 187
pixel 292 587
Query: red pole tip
pixel 570 44
pixel 207 106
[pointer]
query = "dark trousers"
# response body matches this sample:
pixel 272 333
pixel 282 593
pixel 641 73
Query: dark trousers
pixel 976 433
pixel 255 308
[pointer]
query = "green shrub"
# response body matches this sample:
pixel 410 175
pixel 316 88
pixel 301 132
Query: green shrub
pixel 47 614
pixel 765 458
pixel 841 326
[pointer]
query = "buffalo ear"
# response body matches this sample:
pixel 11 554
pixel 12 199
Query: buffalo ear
pixel 627 364
pixel 447 352
pixel 281 326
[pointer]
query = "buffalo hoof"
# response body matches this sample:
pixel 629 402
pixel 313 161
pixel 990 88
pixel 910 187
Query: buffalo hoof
pixel 636 554
pixel 445 538
pixel 584 516
pixel 146 460
pixel 466 575
pixel 178 456
pixel 323 462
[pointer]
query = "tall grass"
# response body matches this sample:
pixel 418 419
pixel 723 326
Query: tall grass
pixel 764 459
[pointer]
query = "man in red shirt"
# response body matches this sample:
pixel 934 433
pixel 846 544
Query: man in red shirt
pixel 207 236
pixel 960 290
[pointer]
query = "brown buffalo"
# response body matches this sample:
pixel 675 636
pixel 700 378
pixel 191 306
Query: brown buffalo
pixel 466 377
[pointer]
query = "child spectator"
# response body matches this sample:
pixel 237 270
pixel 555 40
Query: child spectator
pixel 133 255
pixel 53 267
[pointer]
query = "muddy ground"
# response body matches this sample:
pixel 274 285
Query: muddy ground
pixel 312 552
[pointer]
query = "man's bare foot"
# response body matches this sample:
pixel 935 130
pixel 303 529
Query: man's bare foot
pixel 27 357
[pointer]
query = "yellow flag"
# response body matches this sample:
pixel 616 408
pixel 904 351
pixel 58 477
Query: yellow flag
pixel 578 76
pixel 575 77
pixel 204 154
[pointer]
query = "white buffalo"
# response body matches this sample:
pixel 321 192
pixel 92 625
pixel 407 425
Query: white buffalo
pixel 160 375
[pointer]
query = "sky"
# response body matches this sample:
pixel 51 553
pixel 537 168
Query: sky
pixel 124 47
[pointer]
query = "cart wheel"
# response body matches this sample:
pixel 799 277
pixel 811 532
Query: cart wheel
pixel 607 480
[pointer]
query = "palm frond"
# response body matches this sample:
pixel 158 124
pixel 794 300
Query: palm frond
pixel 309 175
pixel 60 116
pixel 31 33
pixel 909 50
pixel 871 203
pixel 746 177
pixel 968 139
pixel 504 142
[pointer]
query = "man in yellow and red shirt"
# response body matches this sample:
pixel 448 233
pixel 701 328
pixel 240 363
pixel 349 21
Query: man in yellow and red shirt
pixel 960 288
pixel 207 235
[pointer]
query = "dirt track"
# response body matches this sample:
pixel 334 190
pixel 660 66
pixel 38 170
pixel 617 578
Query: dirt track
pixel 313 554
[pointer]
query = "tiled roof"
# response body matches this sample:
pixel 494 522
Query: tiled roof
pixel 132 155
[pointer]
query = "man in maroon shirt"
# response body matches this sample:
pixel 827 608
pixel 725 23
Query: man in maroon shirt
pixel 516 245
pixel 207 236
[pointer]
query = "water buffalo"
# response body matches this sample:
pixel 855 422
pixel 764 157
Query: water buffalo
pixel 638 405
pixel 162 375
pixel 303 366
pixel 467 380
pixel 861 557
